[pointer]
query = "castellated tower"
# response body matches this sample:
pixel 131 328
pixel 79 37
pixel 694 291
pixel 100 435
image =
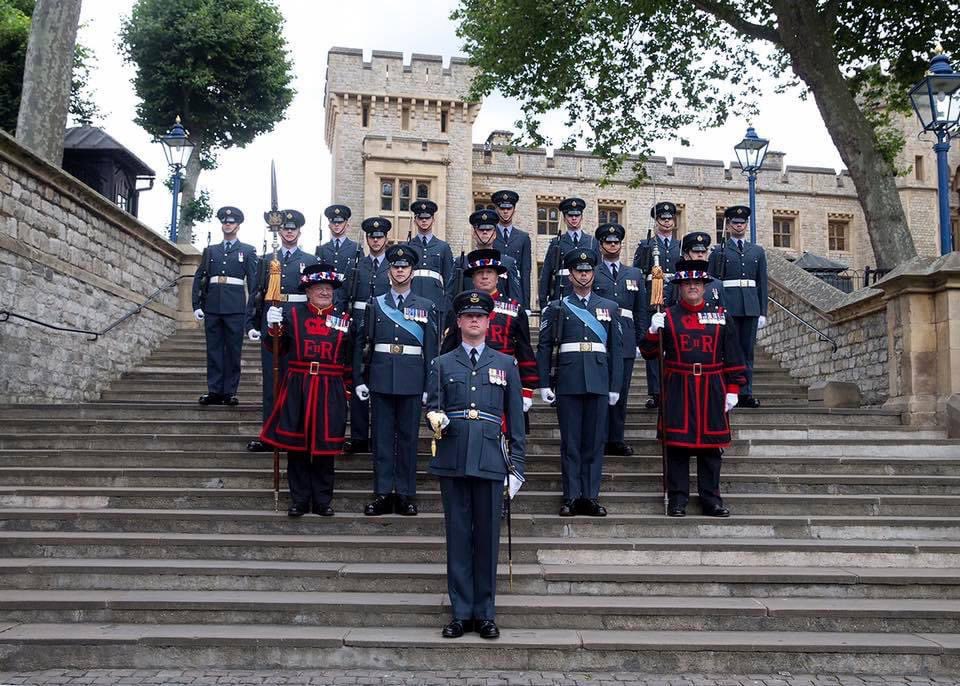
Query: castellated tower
pixel 400 132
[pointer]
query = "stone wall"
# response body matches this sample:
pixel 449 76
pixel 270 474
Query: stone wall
pixel 857 322
pixel 71 258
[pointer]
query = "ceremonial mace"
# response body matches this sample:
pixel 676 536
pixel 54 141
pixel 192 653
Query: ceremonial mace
pixel 272 298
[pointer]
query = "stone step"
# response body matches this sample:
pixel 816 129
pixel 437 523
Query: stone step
pixel 194 458
pixel 537 480
pixel 514 611
pixel 540 413
pixel 252 646
pixel 534 502
pixel 51 515
pixel 594 580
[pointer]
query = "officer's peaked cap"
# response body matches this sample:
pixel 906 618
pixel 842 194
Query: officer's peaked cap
pixel 473 302
pixel 402 256
pixel 228 212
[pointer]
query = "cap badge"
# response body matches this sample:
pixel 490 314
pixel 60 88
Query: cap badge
pixel 376 225
pixel 228 211
pixel 699 239
pixel 399 252
pixel 336 210
pixel 474 298
pixel 289 215
pixel 583 256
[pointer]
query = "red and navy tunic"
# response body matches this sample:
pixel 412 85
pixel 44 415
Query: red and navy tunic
pixel 702 362
pixel 509 333
pixel 310 414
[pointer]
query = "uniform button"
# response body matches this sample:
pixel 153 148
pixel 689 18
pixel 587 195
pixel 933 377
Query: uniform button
pixel 395 338
pixel 474 373
pixel 473 404
pixel 473 388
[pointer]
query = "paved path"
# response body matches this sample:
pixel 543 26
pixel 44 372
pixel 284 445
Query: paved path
pixel 366 677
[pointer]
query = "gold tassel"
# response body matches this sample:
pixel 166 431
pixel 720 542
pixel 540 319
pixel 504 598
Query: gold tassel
pixel 273 285
pixel 656 286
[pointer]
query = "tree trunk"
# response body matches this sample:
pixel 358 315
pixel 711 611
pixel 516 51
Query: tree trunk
pixel 47 73
pixel 806 37
pixel 188 191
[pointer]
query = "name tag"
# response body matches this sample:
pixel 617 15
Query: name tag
pixel 603 315
pixel 498 376
pixel 415 315
pixel 338 323
pixel 632 285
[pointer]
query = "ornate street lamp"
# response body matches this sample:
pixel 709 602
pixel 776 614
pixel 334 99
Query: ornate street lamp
pixel 177 148
pixel 750 153
pixel 936 100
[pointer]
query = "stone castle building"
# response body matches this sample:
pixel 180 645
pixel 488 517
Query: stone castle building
pixel 401 131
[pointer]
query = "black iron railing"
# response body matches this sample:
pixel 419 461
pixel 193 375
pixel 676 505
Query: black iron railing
pixel 7 315
pixel 794 315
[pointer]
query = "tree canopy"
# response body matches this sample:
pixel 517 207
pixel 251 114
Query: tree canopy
pixel 221 65
pixel 629 73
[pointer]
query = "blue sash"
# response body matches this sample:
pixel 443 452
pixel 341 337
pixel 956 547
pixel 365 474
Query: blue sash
pixel 586 316
pixel 397 317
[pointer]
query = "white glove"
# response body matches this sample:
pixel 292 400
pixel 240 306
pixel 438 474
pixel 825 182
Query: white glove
pixel 527 404
pixel 547 395
pixel 253 335
pixel 528 313
pixel 438 420
pixel 657 321
pixel 198 315
pixel 613 399
pixel 423 398
pixel 274 315
pixel 513 484
pixel 730 402
pixel 761 322
pixel 362 391
pixel 638 352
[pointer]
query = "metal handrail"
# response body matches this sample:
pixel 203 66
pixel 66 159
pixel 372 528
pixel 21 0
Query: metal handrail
pixel 6 315
pixel 821 334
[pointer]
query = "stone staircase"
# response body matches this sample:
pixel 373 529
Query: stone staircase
pixel 137 532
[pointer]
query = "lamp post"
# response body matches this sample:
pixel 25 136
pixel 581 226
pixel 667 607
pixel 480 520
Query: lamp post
pixel 177 148
pixel 936 100
pixel 750 153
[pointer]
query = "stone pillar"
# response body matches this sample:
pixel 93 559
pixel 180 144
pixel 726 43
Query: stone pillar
pixel 188 267
pixel 923 338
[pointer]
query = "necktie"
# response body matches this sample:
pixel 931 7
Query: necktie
pixel 613 268
pixel 576 239
pixel 337 242
pixel 740 244
pixel 506 236
pixel 473 356
pixel 399 302
pixel 423 239
pixel 583 301
pixel 226 246
pixel 666 245
pixel 376 263
pixel 286 256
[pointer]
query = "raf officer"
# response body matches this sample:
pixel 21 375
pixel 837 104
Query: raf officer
pixel 585 327
pixel 484 234
pixel 293 262
pixel 553 282
pixel 742 268
pixel 695 246
pixel 433 277
pixel 220 302
pixel 373 280
pixel 340 251
pixel 624 285
pixel 664 215
pixel 473 390
pixel 401 328
pixel 512 242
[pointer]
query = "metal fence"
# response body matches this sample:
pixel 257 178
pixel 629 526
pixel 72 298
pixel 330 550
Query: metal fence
pixel 851 280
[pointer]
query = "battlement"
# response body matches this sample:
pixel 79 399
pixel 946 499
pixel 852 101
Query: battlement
pixel 386 74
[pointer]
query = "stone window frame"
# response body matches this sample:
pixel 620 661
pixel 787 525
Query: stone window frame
pixel 793 217
pixel 835 218
pixel 608 205
pixel 396 210
pixel 551 225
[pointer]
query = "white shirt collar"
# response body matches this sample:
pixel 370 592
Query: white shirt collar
pixel 428 236
pixel 479 348
pixel 396 294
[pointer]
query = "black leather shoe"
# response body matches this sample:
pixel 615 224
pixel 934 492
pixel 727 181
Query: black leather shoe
pixel 380 505
pixel 457 628
pixel 748 401
pixel 676 511
pixel 352 446
pixel 231 401
pixel 568 509
pixel 487 628
pixel 297 511
pixel 653 402
pixel 593 508
pixel 210 399
pixel 257 447
pixel 404 506
pixel 618 449
pixel 717 511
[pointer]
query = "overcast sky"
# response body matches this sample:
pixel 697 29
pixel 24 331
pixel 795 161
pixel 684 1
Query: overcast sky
pixel 297 145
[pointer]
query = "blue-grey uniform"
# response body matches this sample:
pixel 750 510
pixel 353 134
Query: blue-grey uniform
pixel 433 275
pixel 590 368
pixel 669 254
pixel 372 271
pixel 696 244
pixel 225 268
pixel 508 283
pixel 624 285
pixel 514 243
pixel 552 278
pixel 470 462
pixel 339 252
pixel 742 268
pixel 292 264
pixel 403 331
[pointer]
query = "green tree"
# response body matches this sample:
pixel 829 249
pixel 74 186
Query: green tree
pixel 221 65
pixel 14 33
pixel 632 72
